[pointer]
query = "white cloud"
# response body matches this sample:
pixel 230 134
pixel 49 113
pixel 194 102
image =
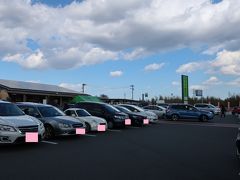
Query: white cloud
pixel 153 67
pixel 227 62
pixel 82 33
pixel 191 67
pixel 212 81
pixel 116 73
pixel 31 61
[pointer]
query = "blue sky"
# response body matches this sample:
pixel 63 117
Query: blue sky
pixel 111 45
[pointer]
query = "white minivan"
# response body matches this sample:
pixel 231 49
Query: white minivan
pixel 14 124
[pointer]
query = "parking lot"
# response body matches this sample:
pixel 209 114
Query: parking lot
pixel 165 150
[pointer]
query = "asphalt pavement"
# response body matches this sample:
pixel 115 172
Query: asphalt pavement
pixel 185 150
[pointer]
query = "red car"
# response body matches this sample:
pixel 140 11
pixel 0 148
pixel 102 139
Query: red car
pixel 236 110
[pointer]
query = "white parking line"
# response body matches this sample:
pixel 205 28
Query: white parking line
pixel 90 135
pixel 49 142
pixel 114 130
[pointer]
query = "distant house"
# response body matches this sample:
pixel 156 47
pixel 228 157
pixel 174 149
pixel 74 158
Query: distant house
pixel 19 91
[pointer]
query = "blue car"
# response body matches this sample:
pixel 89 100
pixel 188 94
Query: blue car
pixel 186 111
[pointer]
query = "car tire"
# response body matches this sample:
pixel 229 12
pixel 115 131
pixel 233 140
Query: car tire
pixel 203 118
pixel 49 132
pixel 110 125
pixel 88 127
pixel 175 117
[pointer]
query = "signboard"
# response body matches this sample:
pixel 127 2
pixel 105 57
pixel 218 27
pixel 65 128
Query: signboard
pixel 185 94
pixel 198 92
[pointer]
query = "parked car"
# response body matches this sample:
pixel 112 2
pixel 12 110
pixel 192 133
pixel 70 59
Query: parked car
pixel 113 116
pixel 55 121
pixel 91 122
pixel 236 110
pixel 208 107
pixel 158 110
pixel 238 143
pixel 165 105
pixel 14 124
pixel 186 111
pixel 150 115
pixel 136 119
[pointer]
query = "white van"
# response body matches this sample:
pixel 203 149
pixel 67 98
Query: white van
pixel 14 124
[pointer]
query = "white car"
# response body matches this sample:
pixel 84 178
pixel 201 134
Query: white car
pixel 91 122
pixel 14 124
pixel 150 115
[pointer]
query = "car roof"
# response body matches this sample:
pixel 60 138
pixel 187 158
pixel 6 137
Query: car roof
pixel 33 104
pixel 74 109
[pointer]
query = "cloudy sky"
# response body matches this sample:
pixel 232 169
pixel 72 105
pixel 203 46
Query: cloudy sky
pixel 110 45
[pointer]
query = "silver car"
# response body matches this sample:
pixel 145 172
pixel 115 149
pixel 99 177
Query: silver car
pixel 92 122
pixel 150 115
pixel 208 107
pixel 14 124
pixel 158 110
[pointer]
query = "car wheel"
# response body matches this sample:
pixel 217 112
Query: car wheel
pixel 203 118
pixel 110 125
pixel 88 127
pixel 49 132
pixel 175 117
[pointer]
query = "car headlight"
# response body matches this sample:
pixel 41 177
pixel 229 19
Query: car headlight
pixel 64 126
pixel 7 128
pixel 41 125
pixel 118 117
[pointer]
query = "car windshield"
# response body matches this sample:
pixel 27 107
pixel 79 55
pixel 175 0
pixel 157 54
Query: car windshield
pixel 138 108
pixel 50 111
pixel 8 109
pixel 111 109
pixel 211 106
pixel 123 109
pixel 82 113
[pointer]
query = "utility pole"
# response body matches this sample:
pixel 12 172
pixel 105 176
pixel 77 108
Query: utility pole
pixel 83 86
pixel 132 88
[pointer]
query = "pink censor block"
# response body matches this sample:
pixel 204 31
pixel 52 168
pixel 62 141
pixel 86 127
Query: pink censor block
pixel 101 127
pixel 127 121
pixel 80 131
pixel 146 121
pixel 31 137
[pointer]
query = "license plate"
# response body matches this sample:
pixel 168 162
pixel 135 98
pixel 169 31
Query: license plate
pixel 146 121
pixel 101 127
pixel 128 122
pixel 31 137
pixel 80 131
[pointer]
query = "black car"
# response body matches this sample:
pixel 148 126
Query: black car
pixel 136 119
pixel 113 116
pixel 54 120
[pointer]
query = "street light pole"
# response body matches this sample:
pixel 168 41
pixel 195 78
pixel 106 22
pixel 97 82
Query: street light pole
pixel 132 88
pixel 83 86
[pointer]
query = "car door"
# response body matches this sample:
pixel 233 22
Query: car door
pixel 193 112
pixel 184 112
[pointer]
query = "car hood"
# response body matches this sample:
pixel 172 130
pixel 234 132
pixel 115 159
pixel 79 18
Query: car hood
pixel 94 118
pixel 63 119
pixel 17 121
